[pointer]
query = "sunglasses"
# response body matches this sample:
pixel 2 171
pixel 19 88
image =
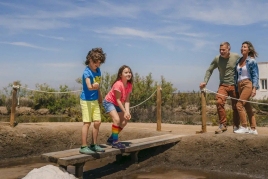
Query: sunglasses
pixel 240 71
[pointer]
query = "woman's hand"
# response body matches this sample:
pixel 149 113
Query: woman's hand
pixel 253 93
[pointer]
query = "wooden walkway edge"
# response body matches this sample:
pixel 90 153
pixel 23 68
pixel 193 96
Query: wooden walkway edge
pixel 73 157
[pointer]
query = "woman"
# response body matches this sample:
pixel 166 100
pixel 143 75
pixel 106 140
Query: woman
pixel 247 82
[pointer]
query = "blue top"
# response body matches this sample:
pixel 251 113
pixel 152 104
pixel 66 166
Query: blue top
pixel 253 71
pixel 95 77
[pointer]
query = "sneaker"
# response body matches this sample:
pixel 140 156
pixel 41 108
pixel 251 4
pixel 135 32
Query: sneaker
pixel 109 141
pixel 221 129
pixel 235 128
pixel 96 148
pixel 242 130
pixel 86 150
pixel 253 131
pixel 118 145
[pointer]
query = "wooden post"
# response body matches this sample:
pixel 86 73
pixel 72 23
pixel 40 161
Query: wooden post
pixel 14 104
pixel 203 111
pixel 158 102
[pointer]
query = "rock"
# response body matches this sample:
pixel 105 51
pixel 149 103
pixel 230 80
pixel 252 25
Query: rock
pixel 24 110
pixel 49 172
pixel 3 110
pixel 43 111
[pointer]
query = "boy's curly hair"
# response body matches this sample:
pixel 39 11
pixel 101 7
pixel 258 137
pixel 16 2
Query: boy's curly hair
pixel 95 54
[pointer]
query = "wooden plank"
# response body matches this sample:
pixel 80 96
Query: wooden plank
pixel 146 139
pixel 72 156
pixel 81 158
pixel 154 143
pixel 134 147
pixel 54 156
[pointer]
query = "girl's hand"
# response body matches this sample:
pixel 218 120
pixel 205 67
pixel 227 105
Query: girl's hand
pixel 127 116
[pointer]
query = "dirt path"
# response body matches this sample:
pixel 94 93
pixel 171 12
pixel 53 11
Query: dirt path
pixel 227 152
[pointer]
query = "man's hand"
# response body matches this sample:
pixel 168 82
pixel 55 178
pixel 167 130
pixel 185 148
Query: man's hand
pixel 202 85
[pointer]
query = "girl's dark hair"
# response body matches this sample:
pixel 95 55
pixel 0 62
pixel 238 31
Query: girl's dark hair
pixel 252 52
pixel 120 71
pixel 95 54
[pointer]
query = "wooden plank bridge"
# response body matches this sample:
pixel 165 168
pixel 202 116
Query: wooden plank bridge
pixel 73 157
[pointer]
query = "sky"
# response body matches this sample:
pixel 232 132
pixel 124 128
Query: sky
pixel 46 41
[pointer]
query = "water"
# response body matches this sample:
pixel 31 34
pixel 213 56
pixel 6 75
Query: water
pixel 165 173
pixel 20 168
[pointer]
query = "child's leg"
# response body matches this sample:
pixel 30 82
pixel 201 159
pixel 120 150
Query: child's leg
pixel 95 131
pixel 85 133
pixel 96 114
pixel 121 125
pixel 115 132
pixel 86 116
pixel 123 121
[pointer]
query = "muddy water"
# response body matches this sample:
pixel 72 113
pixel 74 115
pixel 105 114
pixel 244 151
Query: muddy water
pixel 167 173
pixel 21 167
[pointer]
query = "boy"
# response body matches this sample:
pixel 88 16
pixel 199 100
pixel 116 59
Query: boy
pixel 90 99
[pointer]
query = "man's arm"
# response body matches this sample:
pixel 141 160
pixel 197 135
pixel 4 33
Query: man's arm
pixel 209 72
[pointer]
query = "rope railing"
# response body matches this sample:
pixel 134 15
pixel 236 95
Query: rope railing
pixel 17 87
pixel 143 101
pixel 205 90
pixel 58 92
pixel 53 92
pixel 203 108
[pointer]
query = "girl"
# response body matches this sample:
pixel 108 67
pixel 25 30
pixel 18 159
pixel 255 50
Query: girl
pixel 247 82
pixel 116 103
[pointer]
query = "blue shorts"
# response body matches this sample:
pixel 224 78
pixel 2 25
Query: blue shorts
pixel 108 106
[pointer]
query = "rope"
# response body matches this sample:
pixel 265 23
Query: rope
pixel 144 100
pixel 204 89
pixel 55 92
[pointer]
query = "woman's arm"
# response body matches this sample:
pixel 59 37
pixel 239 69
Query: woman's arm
pixel 254 71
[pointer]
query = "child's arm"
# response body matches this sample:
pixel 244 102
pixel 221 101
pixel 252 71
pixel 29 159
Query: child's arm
pixel 118 96
pixel 100 96
pixel 127 104
pixel 90 86
pixel 121 106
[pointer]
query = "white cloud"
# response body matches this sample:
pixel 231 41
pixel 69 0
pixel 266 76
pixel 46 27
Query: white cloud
pixel 126 31
pixel 239 12
pixel 25 44
pixel 60 65
pixel 52 37
pixel 19 24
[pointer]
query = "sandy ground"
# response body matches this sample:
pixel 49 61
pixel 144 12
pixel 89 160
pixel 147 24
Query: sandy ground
pixel 246 154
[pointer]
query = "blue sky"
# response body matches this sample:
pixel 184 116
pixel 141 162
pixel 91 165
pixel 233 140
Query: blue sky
pixel 46 41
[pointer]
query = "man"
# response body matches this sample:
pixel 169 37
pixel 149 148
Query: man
pixel 225 62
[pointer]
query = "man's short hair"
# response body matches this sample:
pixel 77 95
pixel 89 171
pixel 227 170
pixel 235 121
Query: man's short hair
pixel 226 43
